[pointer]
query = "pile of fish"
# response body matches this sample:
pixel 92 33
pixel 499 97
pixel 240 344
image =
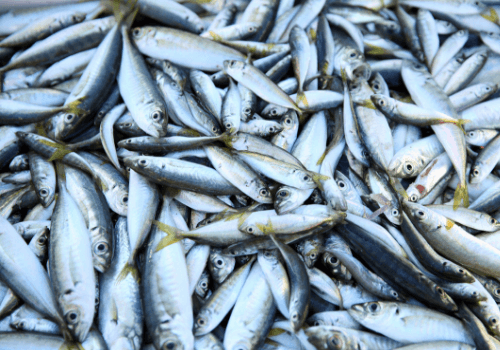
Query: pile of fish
pixel 250 174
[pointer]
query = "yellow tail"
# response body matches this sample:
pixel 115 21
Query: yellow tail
pixel 129 268
pixel 171 237
pixel 74 107
pixel 461 194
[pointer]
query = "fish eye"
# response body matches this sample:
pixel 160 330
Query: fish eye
pixel 381 103
pixel 72 317
pixel 306 178
pixel 395 295
pixel 271 129
pixel 42 240
pixel 125 199
pixel 228 126
pixel 413 198
pixel 44 192
pixel 283 194
pixel 374 307
pixel 214 129
pixel 317 323
pixel 475 172
pixel 251 29
pixel 440 291
pixel 247 111
pixel 352 55
pixel 295 316
pixel 493 221
pixel 493 320
pixel 419 66
pixel 420 213
pixel 219 262
pixel 156 115
pixel 288 121
pixel 497 291
pixel 333 260
pixel 250 229
pixel 409 167
pixel 395 212
pixel 232 64
pixel 336 342
pixel 477 3
pixel 128 125
pixel 268 254
pixel 101 248
pixel 136 32
pixel 263 192
pixel 376 86
pixel 341 184
pixel 364 153
pixel 487 88
pixel 312 256
pixel 169 345
pixel 273 112
pixel 204 285
pixel 354 87
pixel 471 134
pixel 69 117
pixel 201 322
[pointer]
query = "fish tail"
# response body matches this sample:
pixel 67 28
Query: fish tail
pixel 61 173
pixel 124 11
pixel 174 235
pixel 301 99
pixel 129 268
pixel 461 194
pixel 74 107
pixel 317 178
pixel 460 123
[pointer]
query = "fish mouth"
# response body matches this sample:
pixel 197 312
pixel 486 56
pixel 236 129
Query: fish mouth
pixel 362 71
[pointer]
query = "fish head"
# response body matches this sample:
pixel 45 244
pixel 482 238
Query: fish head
pixel 414 68
pixel 290 120
pixel 413 193
pixel 491 221
pixel 143 33
pixel 234 68
pixel 118 199
pixel 203 322
pixel 285 200
pixel 373 311
pixel 270 128
pixel 66 123
pixel 173 334
pixel 40 242
pixel 78 309
pixel 476 173
pixel 330 338
pixel 383 103
pixel 394 215
pixel 420 215
pixel 101 249
pixel 474 136
pixel 269 256
pixel 24 324
pixel 220 266
pixel 354 64
pixel 273 111
pixel 156 119
pixel 201 288
pixel 333 264
pixel 493 323
pixel 46 193
pixel 404 166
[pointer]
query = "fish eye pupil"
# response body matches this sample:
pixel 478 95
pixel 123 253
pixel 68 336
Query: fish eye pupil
pixel 376 86
pixel 101 247
pixel 409 167
pixel 306 178
pixel 136 31
pixel 250 229
pixel 420 213
pixel 352 55
pixel 373 307
pixel 220 262
pixel 72 316
pixel 332 260
pixel 282 194
pixel 341 184
pixel 125 199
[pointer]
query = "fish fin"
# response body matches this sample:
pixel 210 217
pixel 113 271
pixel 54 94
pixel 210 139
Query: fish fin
pixel 375 50
pixel 214 36
pixel 129 268
pixel 317 178
pixel 276 331
pixel 40 129
pixel 171 237
pixel 461 194
pixel 59 154
pixel 267 228
pixel 321 159
pixel 73 107
pixel 301 99
pixel 449 224
pixel 492 16
pixel 460 123
pixel 366 103
pixel 124 11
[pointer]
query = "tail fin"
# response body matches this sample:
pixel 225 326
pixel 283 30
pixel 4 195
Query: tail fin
pixel 129 268
pixel 173 235
pixel 124 11
pixel 301 99
pixel 461 194
pixel 61 174
pixel 74 107
pixel 317 178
